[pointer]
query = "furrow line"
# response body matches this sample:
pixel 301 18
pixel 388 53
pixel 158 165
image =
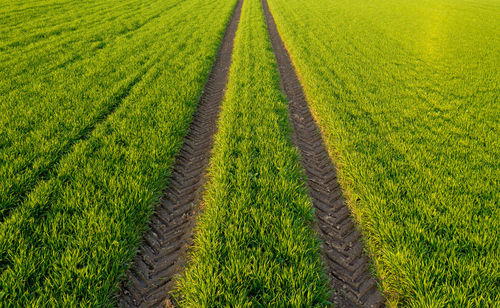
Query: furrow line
pixel 165 246
pixel 51 168
pixel 348 268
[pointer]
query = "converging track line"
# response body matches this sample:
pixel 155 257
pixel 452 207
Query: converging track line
pixel 163 252
pixel 342 248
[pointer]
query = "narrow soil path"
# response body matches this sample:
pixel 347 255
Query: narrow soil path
pixel 348 267
pixel 163 253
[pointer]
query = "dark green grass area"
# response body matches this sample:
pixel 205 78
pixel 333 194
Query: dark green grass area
pixel 71 239
pixel 407 94
pixel 254 244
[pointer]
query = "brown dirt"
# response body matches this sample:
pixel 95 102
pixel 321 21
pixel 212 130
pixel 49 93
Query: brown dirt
pixel 163 252
pixel 347 266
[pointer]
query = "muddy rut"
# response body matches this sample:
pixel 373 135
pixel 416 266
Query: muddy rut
pixel 342 248
pixel 163 251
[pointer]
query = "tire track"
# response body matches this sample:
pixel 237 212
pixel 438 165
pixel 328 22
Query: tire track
pixel 342 248
pixel 163 250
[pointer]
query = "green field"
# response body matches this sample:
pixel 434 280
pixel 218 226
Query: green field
pixel 407 94
pixel 97 96
pixel 62 74
pixel 93 109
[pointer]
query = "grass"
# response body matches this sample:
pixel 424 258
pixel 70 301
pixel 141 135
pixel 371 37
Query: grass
pixel 89 134
pixel 63 73
pixel 254 245
pixel 96 97
pixel 406 93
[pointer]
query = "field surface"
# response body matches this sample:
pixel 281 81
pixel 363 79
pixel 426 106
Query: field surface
pixel 407 96
pixel 95 99
pixel 355 159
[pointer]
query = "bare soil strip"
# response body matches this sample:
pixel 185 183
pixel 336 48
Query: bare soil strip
pixel 342 248
pixel 163 252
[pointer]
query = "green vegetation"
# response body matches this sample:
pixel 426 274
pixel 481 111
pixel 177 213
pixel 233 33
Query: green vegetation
pixel 254 244
pixel 96 97
pixel 407 94
pixel 94 105
pixel 64 67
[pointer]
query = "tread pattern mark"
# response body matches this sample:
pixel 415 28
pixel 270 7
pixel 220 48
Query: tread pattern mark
pixel 162 255
pixel 342 248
